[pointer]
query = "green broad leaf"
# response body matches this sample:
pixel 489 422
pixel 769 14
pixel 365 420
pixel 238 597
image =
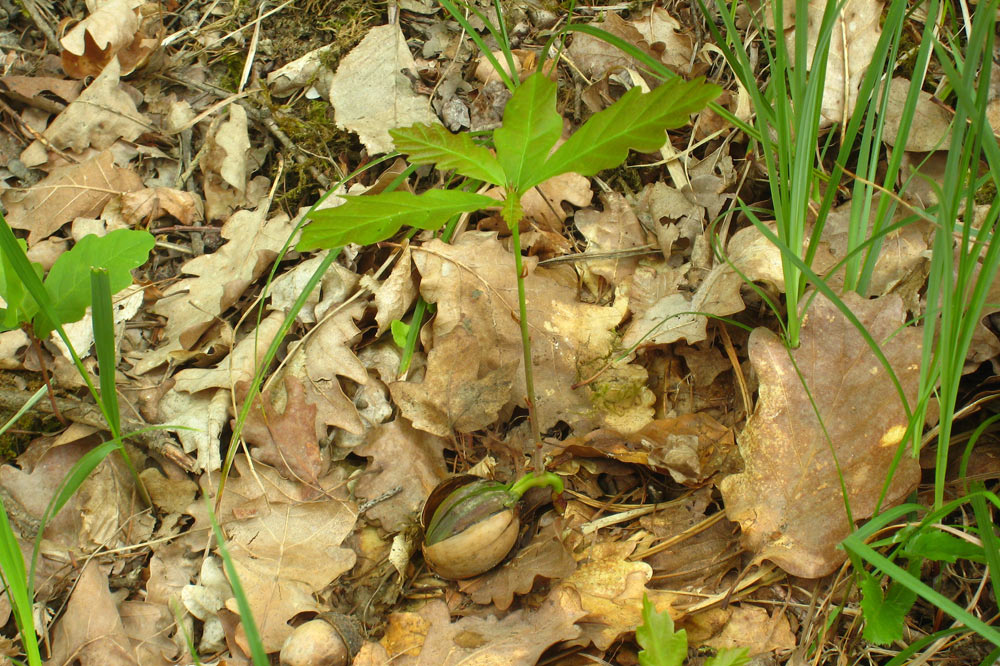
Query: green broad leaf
pixel 400 330
pixel 21 307
pixel 661 645
pixel 884 613
pixel 68 283
pixel 730 657
pixel 637 121
pixel 531 126
pixel 434 144
pixel 370 219
pixel 933 544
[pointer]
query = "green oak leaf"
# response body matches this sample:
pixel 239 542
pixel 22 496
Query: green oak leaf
pixel 434 144
pixel 531 126
pixel 661 645
pixel 884 614
pixel 68 282
pixel 370 219
pixel 637 121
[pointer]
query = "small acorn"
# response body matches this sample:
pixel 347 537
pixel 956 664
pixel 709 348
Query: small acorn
pixel 331 639
pixel 471 524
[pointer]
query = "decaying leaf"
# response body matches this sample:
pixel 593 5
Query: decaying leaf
pixel 930 128
pixel 788 500
pixel 102 114
pixel 615 229
pixel 751 627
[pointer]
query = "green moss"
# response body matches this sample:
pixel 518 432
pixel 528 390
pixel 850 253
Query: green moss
pixel 617 389
pixel 987 193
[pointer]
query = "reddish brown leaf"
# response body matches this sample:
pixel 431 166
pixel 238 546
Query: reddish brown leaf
pixel 286 440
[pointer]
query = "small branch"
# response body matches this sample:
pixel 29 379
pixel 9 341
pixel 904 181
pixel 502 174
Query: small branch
pixel 158 441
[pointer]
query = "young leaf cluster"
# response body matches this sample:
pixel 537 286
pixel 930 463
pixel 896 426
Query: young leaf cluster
pixel 663 646
pixel 68 282
pixel 524 158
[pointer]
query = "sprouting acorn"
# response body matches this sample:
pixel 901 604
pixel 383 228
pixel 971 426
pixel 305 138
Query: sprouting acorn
pixel 471 524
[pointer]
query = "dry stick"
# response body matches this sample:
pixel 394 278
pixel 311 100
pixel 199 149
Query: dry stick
pixel 83 412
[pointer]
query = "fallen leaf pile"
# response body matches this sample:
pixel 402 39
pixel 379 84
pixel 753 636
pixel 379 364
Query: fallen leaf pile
pixel 698 472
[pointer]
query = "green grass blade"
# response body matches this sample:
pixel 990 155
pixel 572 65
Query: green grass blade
pixel 104 342
pixel 18 589
pixel 531 126
pixel 371 219
pixel 637 121
pixel 434 144
pixel 31 402
pixel 257 652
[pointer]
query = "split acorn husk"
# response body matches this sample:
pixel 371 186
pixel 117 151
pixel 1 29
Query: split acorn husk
pixel 471 524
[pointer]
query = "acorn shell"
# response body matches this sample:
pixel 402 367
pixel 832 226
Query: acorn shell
pixel 476 547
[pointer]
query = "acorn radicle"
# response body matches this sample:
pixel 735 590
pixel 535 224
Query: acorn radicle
pixel 471 524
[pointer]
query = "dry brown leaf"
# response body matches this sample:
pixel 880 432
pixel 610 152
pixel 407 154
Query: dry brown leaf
pixel 545 557
pixel 238 366
pixel 33 89
pixel 611 589
pixel 595 57
pixel 699 559
pixel 788 500
pixel 149 626
pixel 90 632
pixel 751 627
pixel 402 458
pixel 371 95
pixel 614 229
pixel 192 305
pixel 284 554
pixel 225 165
pixel 931 125
pixel 68 192
pixel 102 114
pixel 326 356
pixel 666 38
pixel 201 418
pixel 475 353
pixel 142 207
pixel 308 70
pixel 112 29
pixel 903 252
pixel 429 638
pixel 396 294
pixel 286 441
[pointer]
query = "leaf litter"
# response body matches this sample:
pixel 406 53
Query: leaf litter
pixel 678 487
